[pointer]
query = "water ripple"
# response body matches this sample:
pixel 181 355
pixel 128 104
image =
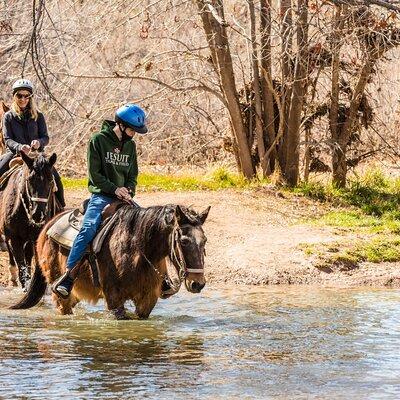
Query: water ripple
pixel 284 342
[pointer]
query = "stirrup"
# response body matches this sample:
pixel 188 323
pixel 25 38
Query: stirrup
pixel 62 287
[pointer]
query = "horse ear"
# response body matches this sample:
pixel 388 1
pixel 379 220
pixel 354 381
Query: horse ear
pixel 175 214
pixel 180 215
pixel 4 106
pixel 27 160
pixel 53 159
pixel 203 216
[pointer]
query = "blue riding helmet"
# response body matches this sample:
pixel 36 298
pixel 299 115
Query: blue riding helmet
pixel 132 116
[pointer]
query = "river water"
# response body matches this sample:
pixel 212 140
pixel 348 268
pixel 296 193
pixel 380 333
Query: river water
pixel 241 342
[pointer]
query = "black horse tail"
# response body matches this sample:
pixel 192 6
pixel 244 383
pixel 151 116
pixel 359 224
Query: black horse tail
pixel 36 291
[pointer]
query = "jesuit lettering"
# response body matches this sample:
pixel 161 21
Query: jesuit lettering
pixel 117 159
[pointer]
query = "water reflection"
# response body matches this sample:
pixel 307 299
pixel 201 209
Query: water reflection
pixel 248 342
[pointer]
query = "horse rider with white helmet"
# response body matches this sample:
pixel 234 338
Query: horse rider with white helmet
pixel 25 129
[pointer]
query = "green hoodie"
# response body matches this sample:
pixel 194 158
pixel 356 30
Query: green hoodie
pixel 111 163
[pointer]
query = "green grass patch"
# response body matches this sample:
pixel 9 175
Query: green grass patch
pixel 74 183
pixel 219 178
pixel 373 199
pixel 379 250
pixel 358 220
pixel 345 255
pixel 369 206
pixel 373 193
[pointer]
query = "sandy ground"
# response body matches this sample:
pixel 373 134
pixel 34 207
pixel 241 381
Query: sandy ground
pixel 254 238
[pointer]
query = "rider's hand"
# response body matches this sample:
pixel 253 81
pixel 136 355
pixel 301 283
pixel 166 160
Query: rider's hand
pixel 123 193
pixel 26 149
pixel 35 144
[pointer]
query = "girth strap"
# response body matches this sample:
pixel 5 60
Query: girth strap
pixel 94 268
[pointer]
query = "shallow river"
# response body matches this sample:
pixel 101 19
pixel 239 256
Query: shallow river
pixel 255 343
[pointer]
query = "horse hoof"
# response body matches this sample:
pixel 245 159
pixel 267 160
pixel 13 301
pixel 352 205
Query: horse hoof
pixel 121 315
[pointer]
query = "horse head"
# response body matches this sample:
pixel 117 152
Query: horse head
pixel 38 187
pixel 187 245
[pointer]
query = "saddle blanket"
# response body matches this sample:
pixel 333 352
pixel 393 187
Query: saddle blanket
pixel 65 230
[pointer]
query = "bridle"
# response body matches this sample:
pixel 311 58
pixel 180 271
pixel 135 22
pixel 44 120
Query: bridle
pixel 178 260
pixel 31 200
pixel 177 257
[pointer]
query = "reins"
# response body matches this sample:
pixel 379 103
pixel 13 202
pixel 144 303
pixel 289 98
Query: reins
pixel 177 258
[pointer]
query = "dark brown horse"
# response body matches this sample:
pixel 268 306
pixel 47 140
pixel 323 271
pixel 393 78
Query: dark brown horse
pixel 26 204
pixel 132 263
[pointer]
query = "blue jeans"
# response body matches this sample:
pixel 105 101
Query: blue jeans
pixel 90 225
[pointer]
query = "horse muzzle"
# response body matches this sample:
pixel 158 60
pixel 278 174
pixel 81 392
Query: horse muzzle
pixel 194 286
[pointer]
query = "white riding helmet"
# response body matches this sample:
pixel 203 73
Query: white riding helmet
pixel 22 84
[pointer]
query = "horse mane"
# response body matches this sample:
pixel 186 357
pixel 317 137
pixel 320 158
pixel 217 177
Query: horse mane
pixel 40 163
pixel 145 219
pixel 147 227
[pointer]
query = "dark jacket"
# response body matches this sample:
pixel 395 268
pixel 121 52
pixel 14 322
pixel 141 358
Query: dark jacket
pixel 18 131
pixel 111 163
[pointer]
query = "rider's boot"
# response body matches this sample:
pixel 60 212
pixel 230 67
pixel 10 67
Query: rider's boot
pixel 62 287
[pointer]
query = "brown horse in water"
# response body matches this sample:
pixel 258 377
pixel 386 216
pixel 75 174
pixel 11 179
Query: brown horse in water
pixel 26 203
pixel 132 263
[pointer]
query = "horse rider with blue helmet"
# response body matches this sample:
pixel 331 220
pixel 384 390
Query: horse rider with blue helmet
pixel 24 130
pixel 113 171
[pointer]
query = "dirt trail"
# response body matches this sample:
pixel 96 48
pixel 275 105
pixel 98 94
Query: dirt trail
pixel 254 238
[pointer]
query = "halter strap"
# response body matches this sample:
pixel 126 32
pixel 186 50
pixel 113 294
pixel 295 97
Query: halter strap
pixel 39 199
pixel 28 207
pixel 177 255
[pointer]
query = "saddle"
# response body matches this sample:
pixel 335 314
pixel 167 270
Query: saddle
pixel 65 230
pixel 15 163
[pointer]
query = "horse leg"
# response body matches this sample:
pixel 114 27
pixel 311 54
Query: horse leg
pixel 17 250
pixel 115 303
pixel 28 255
pixel 65 306
pixel 145 304
pixel 12 267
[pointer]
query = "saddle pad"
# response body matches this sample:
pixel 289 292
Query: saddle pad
pixel 65 230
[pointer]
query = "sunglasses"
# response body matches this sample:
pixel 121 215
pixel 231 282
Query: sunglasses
pixel 23 96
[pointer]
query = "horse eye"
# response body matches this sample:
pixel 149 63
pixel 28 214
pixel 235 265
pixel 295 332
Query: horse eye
pixel 185 241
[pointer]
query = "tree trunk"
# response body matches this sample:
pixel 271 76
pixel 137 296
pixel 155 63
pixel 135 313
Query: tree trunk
pixel 256 88
pixel 297 101
pixel 307 154
pixel 267 96
pixel 212 15
pixel 287 75
pixel 338 152
pixel 343 133
pixel 339 167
